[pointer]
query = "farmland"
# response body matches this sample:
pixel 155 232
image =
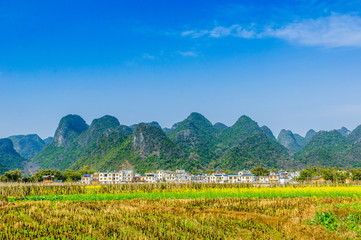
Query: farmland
pixel 179 212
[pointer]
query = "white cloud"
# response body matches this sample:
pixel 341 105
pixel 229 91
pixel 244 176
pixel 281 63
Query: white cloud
pixel 332 31
pixel 220 31
pixel 188 54
pixel 148 56
pixel 186 33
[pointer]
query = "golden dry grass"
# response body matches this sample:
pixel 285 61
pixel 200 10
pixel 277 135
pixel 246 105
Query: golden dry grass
pixel 228 218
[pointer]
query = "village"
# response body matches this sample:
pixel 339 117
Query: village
pixel 181 176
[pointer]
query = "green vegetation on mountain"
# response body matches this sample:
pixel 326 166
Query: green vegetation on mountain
pixel 243 128
pixel 74 139
pixel 354 153
pixel 167 130
pixel 309 135
pixel 288 140
pixel 355 135
pixel 197 137
pixel 148 148
pixel 48 140
pixel 27 145
pixel 220 126
pixel 151 140
pixel 107 145
pixel 194 144
pixel 344 131
pixel 256 150
pixel 9 158
pixel 101 127
pixel 293 141
pixel 325 149
pixel 64 149
pixel 301 141
pixel 70 127
pixel 154 123
pixel 268 133
pixel 197 122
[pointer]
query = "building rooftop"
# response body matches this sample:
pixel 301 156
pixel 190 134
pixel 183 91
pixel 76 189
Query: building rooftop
pixel 248 175
pixel 46 176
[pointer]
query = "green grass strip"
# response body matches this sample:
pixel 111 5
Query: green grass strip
pixel 207 194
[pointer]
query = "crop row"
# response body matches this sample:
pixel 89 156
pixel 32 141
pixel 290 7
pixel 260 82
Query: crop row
pixel 37 189
pixel 206 193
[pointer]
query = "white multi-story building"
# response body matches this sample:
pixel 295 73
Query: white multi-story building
pixel 149 178
pixel 247 178
pixel 200 178
pixel 160 175
pixel 86 179
pixel 110 177
pixel 104 178
pixel 224 178
pixel 233 178
pixel 169 176
pixel 182 176
pixel 218 178
pixel 128 175
pixel 284 180
pixel 262 179
pixel 177 176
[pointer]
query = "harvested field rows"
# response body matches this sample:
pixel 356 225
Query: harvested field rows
pixel 228 218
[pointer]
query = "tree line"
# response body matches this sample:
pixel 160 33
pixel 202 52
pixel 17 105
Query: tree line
pixel 329 174
pixel 65 176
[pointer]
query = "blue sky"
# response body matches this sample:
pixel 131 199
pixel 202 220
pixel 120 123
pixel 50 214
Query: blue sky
pixel 286 64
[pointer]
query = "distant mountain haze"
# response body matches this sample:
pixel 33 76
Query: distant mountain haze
pixel 27 145
pixel 288 140
pixel 344 131
pixel 9 158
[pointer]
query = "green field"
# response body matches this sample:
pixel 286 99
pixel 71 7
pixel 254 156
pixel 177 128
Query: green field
pixel 204 193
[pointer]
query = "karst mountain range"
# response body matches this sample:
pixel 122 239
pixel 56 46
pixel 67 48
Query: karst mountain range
pixel 194 144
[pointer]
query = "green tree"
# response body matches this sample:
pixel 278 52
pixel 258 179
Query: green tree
pixel 86 170
pixel 356 174
pixel 310 172
pixel 38 177
pixel 71 175
pixel 260 171
pixel 12 176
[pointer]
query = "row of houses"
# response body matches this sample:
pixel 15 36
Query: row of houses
pixel 181 176
pixel 283 177
pixel 124 176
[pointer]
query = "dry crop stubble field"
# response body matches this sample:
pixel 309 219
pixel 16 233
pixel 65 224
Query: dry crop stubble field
pixel 153 214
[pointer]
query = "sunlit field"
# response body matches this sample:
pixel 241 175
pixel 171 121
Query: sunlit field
pixel 194 211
